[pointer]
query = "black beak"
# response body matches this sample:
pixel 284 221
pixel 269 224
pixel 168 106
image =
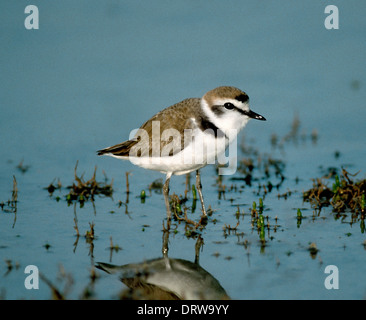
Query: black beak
pixel 253 115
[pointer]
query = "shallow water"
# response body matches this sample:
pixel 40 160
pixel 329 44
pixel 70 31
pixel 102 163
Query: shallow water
pixel 92 73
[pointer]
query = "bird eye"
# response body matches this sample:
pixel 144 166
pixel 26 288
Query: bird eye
pixel 229 106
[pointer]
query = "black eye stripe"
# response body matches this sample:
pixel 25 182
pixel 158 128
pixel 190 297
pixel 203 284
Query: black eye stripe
pixel 219 109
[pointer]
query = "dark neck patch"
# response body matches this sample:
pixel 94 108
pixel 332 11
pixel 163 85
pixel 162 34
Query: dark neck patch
pixel 206 124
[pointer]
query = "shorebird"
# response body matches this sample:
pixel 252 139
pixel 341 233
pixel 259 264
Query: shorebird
pixel 187 135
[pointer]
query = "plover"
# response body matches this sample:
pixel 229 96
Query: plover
pixel 187 136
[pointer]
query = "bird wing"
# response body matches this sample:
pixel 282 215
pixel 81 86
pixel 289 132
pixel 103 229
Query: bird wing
pixel 163 134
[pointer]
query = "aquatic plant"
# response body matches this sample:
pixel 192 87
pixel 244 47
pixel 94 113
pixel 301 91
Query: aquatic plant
pixel 345 194
pixel 82 190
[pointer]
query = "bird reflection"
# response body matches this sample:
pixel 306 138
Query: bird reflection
pixel 167 278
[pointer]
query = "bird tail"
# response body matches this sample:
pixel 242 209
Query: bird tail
pixel 118 150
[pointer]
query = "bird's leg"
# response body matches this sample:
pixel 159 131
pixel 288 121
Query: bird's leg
pixel 166 196
pixel 165 247
pixel 199 189
pixel 199 244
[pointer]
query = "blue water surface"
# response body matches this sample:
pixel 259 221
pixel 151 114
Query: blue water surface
pixel 95 70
